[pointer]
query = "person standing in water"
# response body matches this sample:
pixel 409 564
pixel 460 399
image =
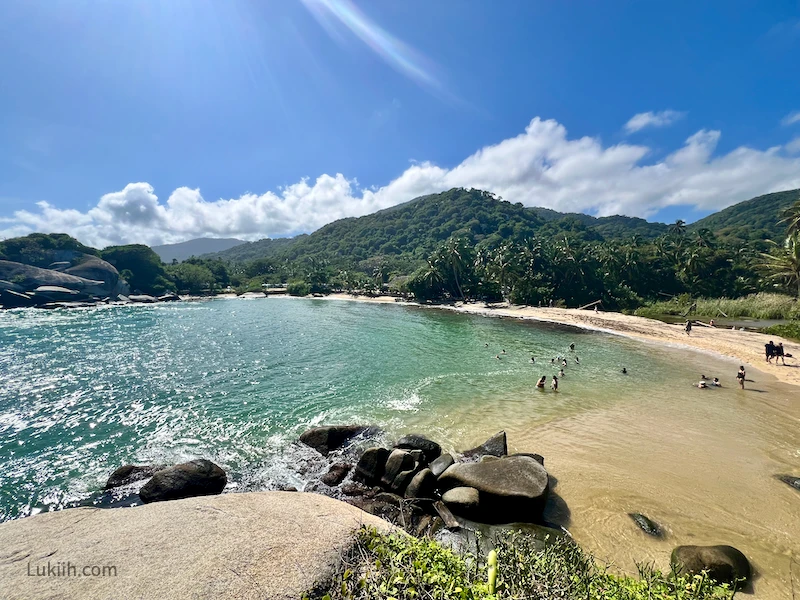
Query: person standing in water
pixel 624 371
pixel 572 347
pixel 540 383
pixel 688 327
pixel 740 376
pixel 554 384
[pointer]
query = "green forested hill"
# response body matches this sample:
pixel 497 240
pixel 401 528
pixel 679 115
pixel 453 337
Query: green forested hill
pixel 609 228
pixel 416 228
pixel 751 220
pixel 265 248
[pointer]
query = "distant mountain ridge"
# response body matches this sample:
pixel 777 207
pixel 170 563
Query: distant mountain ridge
pixel 196 247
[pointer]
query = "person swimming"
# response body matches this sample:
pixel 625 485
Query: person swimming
pixel 703 377
pixel 552 361
pixel 572 347
pixel 533 359
pixel 540 383
pixel 702 384
pixel 497 356
pixel 564 363
pixel 577 362
pixel 503 352
pixel 716 382
pixel 554 384
pixel 561 373
pixel 486 345
pixel 624 371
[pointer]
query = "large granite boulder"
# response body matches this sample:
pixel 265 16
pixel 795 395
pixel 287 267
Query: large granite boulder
pixel 372 465
pixel 724 564
pixel 129 474
pixel 259 545
pixel 494 446
pixel 422 485
pixel 30 278
pixel 429 448
pixel 96 269
pixel 512 488
pixel 199 477
pixel 401 466
pixel 331 437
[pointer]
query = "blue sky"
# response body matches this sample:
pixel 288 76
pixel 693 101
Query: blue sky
pixel 154 121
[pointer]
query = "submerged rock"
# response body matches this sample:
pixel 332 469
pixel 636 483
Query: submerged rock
pixel 494 446
pixel 129 474
pixel 336 474
pixel 724 564
pixel 649 526
pixel 537 457
pixel 429 448
pixel 331 437
pixel 789 480
pixel 514 488
pixel 194 478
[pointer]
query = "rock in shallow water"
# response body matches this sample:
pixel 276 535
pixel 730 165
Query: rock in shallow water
pixel 724 564
pixel 514 488
pixel 649 526
pixel 494 446
pixel 441 464
pixel 331 437
pixel 789 480
pixel 372 465
pixel 336 474
pixel 194 478
pixel 430 449
pixel 130 473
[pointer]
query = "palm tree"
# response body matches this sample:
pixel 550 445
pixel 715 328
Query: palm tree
pixel 791 216
pixel 678 228
pixel 783 267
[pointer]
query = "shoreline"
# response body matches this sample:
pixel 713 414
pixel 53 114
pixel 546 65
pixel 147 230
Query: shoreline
pixel 746 347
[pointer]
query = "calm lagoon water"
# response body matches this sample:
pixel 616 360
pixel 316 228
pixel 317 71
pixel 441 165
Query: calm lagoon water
pixel 236 381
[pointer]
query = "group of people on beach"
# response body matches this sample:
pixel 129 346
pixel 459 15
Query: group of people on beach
pixel 776 352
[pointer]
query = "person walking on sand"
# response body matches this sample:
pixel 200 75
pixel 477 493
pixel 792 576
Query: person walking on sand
pixel 688 327
pixel 769 350
pixel 779 353
pixel 740 376
pixel 554 384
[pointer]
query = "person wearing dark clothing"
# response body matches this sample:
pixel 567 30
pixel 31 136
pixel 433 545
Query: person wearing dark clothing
pixel 779 354
pixel 769 350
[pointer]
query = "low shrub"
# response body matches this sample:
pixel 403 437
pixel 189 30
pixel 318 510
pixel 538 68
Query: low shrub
pixel 756 306
pixel 400 567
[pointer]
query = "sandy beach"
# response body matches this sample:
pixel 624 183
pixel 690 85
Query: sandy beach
pixel 747 347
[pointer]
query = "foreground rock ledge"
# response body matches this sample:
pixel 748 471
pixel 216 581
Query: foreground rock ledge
pixel 265 545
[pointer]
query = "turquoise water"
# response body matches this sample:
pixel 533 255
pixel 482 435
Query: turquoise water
pixel 85 391
pixel 236 381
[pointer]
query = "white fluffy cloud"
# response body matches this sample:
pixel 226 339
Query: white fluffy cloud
pixel 653 119
pixel 542 166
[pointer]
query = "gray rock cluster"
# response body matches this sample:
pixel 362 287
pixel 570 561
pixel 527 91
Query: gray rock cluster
pixel 414 479
pixel 83 280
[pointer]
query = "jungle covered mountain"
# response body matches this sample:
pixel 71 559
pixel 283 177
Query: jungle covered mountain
pixel 753 220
